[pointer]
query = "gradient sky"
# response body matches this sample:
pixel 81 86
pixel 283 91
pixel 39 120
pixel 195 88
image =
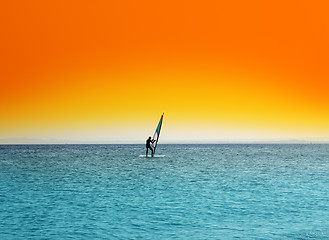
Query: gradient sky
pixel 220 70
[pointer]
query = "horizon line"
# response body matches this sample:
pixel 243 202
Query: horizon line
pixel 134 142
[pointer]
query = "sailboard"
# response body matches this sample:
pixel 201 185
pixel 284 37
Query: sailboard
pixel 156 156
pixel 156 139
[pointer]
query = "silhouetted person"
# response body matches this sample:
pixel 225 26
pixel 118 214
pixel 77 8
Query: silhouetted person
pixel 148 146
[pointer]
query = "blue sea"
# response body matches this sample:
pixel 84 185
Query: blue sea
pixel 195 192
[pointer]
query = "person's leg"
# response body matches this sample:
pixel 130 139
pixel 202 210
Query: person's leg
pixel 146 151
pixel 152 151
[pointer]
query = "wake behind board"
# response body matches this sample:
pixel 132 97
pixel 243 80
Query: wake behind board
pixel 149 156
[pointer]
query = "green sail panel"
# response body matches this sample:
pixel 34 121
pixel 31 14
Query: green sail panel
pixel 157 134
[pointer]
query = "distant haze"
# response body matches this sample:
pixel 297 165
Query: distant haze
pixel 167 135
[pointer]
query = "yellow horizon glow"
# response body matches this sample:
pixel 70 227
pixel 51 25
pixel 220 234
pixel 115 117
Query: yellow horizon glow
pixel 244 102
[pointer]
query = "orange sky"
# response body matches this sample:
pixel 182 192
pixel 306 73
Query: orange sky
pixel 221 69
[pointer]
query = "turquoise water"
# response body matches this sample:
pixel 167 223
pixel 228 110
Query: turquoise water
pixel 196 192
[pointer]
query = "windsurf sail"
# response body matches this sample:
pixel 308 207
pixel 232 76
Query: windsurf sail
pixel 157 134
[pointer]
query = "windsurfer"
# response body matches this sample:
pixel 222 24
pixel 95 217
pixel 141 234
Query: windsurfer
pixel 148 145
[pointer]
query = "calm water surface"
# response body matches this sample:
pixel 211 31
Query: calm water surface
pixel 196 192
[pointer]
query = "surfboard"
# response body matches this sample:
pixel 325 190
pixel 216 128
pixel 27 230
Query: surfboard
pixel 149 156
